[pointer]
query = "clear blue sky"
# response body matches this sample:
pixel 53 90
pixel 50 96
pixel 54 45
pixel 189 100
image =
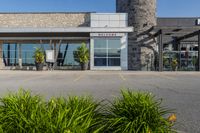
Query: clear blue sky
pixel 165 8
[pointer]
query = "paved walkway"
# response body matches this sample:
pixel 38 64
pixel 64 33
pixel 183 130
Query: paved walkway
pixel 179 90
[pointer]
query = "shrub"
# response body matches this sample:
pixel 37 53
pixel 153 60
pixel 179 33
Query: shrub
pixel 134 112
pixel 174 64
pixel 137 112
pixel 73 115
pixel 81 55
pixel 39 55
pixel 22 113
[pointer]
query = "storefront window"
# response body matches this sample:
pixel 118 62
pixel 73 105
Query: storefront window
pixel 107 52
pixel 65 58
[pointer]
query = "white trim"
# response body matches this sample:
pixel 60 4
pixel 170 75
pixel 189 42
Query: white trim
pixel 123 56
pixel 124 52
pixel 106 68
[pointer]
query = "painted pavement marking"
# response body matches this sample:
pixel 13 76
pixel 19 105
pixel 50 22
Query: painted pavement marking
pixel 122 77
pixel 78 78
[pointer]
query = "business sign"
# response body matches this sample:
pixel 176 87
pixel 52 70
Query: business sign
pixel 49 55
pixel 198 22
pixel 107 34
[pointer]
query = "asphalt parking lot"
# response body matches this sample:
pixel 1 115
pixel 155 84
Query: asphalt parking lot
pixel 179 90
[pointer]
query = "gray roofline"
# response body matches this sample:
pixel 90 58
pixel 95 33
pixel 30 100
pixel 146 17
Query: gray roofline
pixel 45 12
pixel 68 30
pixel 178 17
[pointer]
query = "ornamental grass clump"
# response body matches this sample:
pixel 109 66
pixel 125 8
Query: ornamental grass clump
pixel 137 112
pixel 73 115
pixel 25 113
pixel 134 112
pixel 21 112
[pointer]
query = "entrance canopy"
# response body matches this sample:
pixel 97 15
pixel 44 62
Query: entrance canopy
pixel 76 33
pixel 68 30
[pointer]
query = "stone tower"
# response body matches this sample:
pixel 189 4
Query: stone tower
pixel 142 16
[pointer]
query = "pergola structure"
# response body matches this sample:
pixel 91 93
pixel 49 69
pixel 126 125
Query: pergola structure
pixel 171 35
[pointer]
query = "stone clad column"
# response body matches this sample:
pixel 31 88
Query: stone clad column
pixel 1 55
pixel 142 16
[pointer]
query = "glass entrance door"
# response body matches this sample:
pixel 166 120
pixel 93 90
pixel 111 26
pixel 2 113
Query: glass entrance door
pixel 107 52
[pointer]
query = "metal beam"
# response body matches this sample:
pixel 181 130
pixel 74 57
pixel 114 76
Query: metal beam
pixel 69 30
pixel 8 52
pixel 188 35
pixel 1 55
pixel 44 38
pixel 199 51
pixel 160 49
pixel 146 32
pixel 150 36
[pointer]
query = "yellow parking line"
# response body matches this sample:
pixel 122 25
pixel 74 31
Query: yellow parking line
pixel 154 85
pixel 122 77
pixel 78 78
pixel 33 78
pixel 166 77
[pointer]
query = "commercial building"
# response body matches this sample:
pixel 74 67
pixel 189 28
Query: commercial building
pixel 131 39
pixel 106 35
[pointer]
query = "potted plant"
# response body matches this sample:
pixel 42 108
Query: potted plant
pixel 39 59
pixel 195 62
pixel 174 64
pixel 81 55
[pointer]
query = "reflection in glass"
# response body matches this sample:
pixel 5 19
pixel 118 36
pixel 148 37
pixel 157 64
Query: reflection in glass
pixel 110 49
pixel 114 52
pixel 114 43
pixel 65 54
pixel 100 53
pixel 100 43
pixel 114 62
pixel 100 62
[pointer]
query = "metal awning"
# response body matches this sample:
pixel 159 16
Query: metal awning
pixel 68 30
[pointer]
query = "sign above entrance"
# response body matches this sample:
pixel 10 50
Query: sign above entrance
pixel 107 34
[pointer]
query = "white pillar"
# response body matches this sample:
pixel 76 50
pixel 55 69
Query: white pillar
pixel 124 52
pixel 91 53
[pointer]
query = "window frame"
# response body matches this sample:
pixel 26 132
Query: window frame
pixel 107 57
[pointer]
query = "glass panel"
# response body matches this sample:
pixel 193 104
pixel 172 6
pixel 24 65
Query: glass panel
pixel 28 52
pixel 110 49
pixel 66 54
pixel 10 54
pixel 100 53
pixel 100 62
pixel 185 61
pixel 114 52
pixel 114 43
pixel 113 61
pixel 100 43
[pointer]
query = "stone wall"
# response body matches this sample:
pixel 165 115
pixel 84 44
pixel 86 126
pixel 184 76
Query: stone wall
pixel 142 16
pixel 18 20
